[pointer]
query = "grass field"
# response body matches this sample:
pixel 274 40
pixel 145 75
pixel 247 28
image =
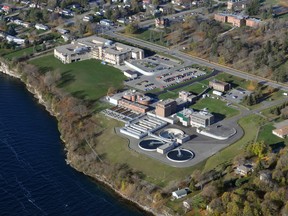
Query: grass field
pixel 249 124
pixel 152 36
pixel 19 53
pixel 195 88
pixel 115 149
pixel 265 134
pixel 233 80
pixel 87 79
pixel 217 107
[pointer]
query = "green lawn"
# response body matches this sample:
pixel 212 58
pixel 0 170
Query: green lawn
pixel 195 88
pixel 115 150
pixel 216 106
pixel 87 79
pixel 265 134
pixel 19 53
pixel 233 80
pixel 152 36
pixel 249 124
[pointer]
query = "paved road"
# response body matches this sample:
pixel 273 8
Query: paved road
pixel 193 60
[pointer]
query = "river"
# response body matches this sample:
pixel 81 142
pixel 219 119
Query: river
pixel 34 177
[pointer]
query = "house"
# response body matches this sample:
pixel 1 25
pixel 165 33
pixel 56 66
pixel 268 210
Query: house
pixel 180 193
pixel 88 18
pixel 281 132
pixel 39 26
pixel 6 8
pixel 244 170
pixel 237 4
pixel 265 176
pixel 16 40
pixel 63 31
pixel 161 22
pixel 106 22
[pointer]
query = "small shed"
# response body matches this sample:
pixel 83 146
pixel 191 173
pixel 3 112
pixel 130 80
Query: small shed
pixel 180 193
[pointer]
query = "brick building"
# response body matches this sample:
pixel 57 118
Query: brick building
pixel 166 108
pixel 219 85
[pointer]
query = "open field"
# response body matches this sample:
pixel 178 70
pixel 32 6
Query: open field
pixel 233 80
pixel 265 134
pixel 156 37
pixel 250 124
pixel 87 79
pixel 19 53
pixel 195 88
pixel 217 107
pixel 115 149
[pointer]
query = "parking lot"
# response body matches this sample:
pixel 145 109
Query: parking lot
pixel 179 76
pixel 236 95
pixel 168 72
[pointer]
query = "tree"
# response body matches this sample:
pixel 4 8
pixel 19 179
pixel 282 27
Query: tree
pixel 11 31
pixel 135 6
pixel 258 148
pixel 131 28
pixel 253 7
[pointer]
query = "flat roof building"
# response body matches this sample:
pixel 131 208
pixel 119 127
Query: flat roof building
pixel 201 119
pixel 133 106
pixel 236 20
pixel 252 22
pixel 219 85
pixel 184 116
pixel 220 17
pixel 187 96
pixel 166 108
pixel 97 48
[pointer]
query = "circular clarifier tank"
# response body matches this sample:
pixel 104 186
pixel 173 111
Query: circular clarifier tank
pixel 150 144
pixel 180 155
pixel 171 133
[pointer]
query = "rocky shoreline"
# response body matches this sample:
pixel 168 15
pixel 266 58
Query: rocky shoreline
pixel 4 68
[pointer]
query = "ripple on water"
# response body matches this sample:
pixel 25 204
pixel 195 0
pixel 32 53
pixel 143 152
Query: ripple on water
pixel 34 177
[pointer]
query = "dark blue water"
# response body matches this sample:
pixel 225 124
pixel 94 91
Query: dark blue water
pixel 34 177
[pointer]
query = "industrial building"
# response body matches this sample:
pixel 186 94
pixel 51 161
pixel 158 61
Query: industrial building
pixel 184 116
pixel 189 117
pixel 166 108
pixel 130 95
pixel 219 85
pixel 201 119
pixel 97 48
pixel 133 105
pixel 187 97
pixel 141 127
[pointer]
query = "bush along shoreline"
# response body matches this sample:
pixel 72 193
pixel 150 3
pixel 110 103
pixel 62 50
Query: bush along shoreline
pixel 79 131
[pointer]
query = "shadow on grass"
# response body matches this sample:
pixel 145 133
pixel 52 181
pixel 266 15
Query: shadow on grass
pixel 277 146
pixel 66 79
pixel 79 94
pixel 218 117
pixel 45 69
